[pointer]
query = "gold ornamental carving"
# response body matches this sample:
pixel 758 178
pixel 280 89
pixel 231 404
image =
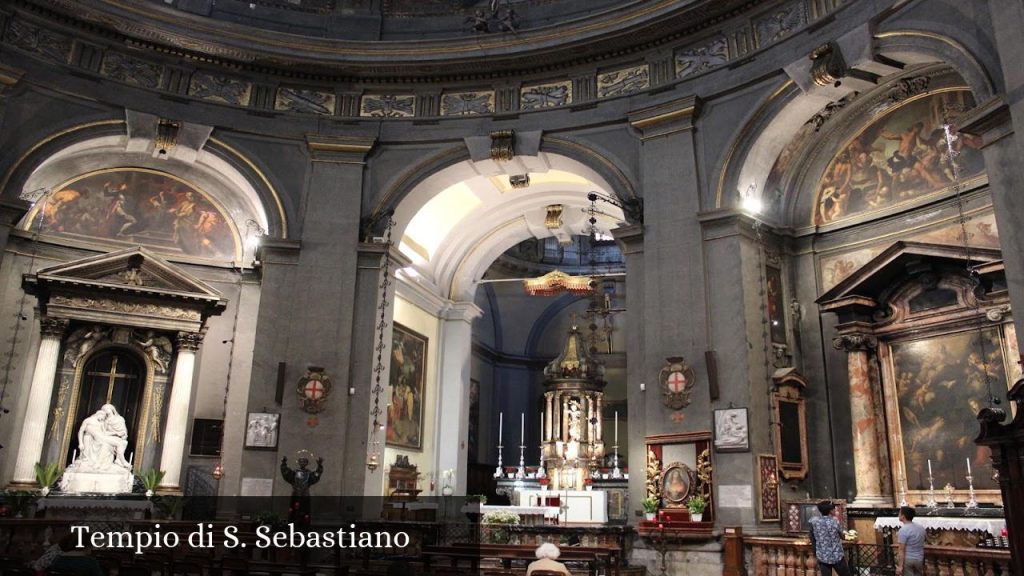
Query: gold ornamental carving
pixel 107 305
pixel 503 145
pixel 653 474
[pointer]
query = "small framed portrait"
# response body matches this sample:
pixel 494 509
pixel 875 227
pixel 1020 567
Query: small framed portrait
pixel 731 430
pixel 261 430
pixel 676 480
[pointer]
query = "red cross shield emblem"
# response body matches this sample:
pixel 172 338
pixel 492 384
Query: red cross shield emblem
pixel 676 383
pixel 313 389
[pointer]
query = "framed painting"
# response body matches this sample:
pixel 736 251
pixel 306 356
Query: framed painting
pixel 138 206
pixel 261 430
pixel 407 379
pixel 776 305
pixel 206 437
pixel 731 430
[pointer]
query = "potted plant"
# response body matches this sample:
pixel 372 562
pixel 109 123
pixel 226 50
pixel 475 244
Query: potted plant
pixel 499 521
pixel 150 480
pixel 697 504
pixel 650 508
pixel 47 475
pixel 588 483
pixel 544 482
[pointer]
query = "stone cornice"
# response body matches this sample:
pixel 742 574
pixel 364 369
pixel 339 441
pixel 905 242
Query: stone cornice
pixel 339 149
pixel 668 118
pixel 630 238
pixel 989 121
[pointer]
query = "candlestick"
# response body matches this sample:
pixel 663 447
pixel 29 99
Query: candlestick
pixel 501 421
pixel 968 466
pixel 973 502
pixel 522 427
pixel 616 427
pixel 932 502
pixel 902 485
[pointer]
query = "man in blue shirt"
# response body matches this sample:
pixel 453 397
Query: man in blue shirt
pixel 827 540
pixel 910 561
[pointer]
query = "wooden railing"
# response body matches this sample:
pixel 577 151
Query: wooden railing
pixel 794 557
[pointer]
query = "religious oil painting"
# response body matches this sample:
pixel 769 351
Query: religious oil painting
pixel 941 384
pixel 408 375
pixel 901 157
pixel 675 485
pixel 133 206
pixel 261 430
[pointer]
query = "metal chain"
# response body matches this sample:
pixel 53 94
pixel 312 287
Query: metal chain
pixel 382 324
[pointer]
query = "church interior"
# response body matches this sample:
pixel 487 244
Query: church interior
pixel 649 280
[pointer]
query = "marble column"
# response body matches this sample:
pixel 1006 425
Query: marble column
pixel 453 389
pixel 173 448
pixel 33 432
pixel 864 415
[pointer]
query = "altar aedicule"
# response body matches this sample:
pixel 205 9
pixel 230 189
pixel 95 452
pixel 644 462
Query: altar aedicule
pixel 574 393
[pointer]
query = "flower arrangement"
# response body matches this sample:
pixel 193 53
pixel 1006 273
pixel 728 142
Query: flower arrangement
pixel 501 517
pixel 588 481
pixel 850 535
pixel 696 504
pixel 544 481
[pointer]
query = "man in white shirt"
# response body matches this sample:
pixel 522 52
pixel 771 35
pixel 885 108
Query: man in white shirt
pixel 910 561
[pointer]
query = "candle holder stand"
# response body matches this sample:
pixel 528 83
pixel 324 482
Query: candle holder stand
pixel 932 502
pixel 616 473
pixel 973 502
pixel 521 471
pixel 500 470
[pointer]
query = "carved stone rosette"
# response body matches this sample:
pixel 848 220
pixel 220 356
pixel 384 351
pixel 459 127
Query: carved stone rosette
pixel 189 340
pixel 53 326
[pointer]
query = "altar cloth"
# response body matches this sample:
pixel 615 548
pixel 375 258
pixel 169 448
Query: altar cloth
pixel 993 526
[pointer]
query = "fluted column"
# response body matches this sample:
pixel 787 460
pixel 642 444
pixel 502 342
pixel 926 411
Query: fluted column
pixel 864 416
pixel 33 432
pixel 178 409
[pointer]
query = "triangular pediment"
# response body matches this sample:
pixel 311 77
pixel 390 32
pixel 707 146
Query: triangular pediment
pixel 900 260
pixel 135 271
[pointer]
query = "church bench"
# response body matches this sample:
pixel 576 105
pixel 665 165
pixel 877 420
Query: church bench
pixel 508 554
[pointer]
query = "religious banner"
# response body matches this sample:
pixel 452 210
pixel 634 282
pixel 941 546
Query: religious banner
pixel 677 381
pixel 407 379
pixel 313 389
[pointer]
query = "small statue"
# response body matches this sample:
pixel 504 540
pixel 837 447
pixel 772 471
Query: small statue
pixel 478 22
pixel 157 348
pixel 508 22
pixel 301 479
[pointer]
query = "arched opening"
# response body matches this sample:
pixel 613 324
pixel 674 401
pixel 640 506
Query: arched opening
pixel 115 376
pixel 469 344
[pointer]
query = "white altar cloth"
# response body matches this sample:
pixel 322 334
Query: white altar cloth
pixel 583 505
pixel 993 526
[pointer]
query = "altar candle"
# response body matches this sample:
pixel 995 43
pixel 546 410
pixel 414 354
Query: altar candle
pixel 901 469
pixel 968 466
pixel 929 467
pixel 501 419
pixel 542 426
pixel 616 427
pixel 522 428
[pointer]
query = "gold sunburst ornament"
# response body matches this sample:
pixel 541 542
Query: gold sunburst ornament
pixel 556 282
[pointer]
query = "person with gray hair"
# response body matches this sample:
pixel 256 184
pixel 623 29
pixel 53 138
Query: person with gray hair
pixel 547 561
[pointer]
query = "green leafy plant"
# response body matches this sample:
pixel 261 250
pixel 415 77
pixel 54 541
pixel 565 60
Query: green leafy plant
pixel 476 499
pixel 48 474
pixel 650 505
pixel 151 478
pixel 169 506
pixel 696 504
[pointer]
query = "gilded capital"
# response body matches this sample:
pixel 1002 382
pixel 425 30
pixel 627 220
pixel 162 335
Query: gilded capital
pixel 189 340
pixel 53 326
pixel 855 342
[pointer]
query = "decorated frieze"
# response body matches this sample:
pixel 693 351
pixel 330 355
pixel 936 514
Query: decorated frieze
pixel 549 95
pixel 702 57
pixel 467 103
pixel 45 43
pixel 624 81
pixel 304 100
pixel 108 305
pixel 388 106
pixel 780 23
pixel 130 70
pixel 206 86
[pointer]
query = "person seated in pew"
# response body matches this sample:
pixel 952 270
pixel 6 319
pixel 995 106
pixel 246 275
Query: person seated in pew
pixel 66 558
pixel 547 561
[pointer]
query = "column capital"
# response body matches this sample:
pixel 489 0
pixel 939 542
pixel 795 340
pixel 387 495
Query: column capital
pixel 989 121
pixel 464 311
pixel 855 342
pixel 190 340
pixel 53 326
pixel 339 149
pixel 664 119
pixel 630 238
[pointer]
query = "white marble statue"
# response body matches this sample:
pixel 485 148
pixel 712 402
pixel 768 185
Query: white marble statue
pixel 100 465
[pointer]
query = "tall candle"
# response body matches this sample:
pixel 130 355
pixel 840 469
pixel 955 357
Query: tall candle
pixel 616 427
pixel 542 426
pixel 968 466
pixel 522 428
pixel 929 467
pixel 901 470
pixel 501 420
